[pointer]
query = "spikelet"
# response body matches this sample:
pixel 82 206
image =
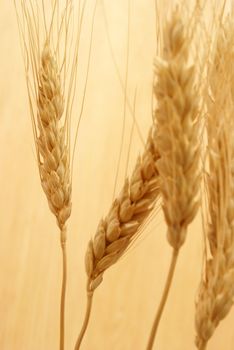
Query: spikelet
pixel 216 292
pixel 132 207
pixel 176 117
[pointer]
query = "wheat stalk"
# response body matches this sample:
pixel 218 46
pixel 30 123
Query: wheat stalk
pixel 53 158
pixel 119 228
pixel 216 291
pixel 51 92
pixel 176 117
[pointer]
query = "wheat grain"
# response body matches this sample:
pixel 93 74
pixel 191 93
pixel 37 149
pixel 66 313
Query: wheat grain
pixel 216 292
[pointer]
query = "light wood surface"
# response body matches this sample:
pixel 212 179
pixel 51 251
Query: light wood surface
pixel 30 256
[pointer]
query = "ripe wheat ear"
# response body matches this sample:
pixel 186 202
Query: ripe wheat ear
pixel 122 224
pixel 215 297
pixel 46 39
pixel 178 135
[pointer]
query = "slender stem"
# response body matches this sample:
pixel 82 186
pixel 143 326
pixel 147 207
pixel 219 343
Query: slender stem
pixel 163 299
pixel 63 290
pixel 86 319
pixel 202 345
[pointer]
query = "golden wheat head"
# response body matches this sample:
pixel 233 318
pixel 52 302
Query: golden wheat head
pixel 176 117
pixel 53 151
pixel 129 210
pixel 47 47
pixel 216 291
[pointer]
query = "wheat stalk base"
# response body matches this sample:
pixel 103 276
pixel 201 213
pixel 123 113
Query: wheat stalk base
pixel 163 299
pixel 86 319
pixel 63 290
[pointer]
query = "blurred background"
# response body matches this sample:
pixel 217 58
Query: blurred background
pixel 30 256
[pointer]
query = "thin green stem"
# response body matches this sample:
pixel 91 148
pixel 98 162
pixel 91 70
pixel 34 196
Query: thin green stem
pixel 86 319
pixel 163 299
pixel 63 290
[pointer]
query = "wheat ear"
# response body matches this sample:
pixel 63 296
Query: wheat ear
pixel 216 292
pixel 45 41
pixel 127 214
pixel 54 165
pixel 176 117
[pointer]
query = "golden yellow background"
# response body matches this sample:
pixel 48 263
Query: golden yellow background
pixel 30 256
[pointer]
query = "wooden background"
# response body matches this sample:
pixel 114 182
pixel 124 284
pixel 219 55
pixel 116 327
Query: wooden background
pixel 30 257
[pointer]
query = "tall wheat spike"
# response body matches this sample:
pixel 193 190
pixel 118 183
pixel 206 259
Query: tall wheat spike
pixel 47 46
pixel 53 150
pixel 178 136
pixel 123 222
pixel 129 210
pixel 216 293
